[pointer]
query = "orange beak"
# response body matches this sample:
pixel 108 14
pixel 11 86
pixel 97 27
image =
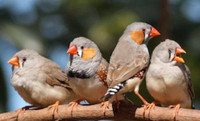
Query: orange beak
pixel 72 50
pixel 179 51
pixel 14 61
pixel 154 32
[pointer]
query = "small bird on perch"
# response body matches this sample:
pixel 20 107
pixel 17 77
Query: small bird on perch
pixel 168 78
pixel 87 71
pixel 129 61
pixel 39 81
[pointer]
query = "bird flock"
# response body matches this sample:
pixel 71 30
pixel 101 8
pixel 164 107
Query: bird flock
pixel 88 76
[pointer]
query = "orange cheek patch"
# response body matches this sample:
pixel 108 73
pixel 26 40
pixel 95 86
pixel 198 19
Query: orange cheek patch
pixel 88 53
pixel 137 36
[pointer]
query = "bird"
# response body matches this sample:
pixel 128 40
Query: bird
pixel 39 81
pixel 87 71
pixel 168 79
pixel 129 61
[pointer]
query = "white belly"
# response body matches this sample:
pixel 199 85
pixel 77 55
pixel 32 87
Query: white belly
pixel 91 89
pixel 43 95
pixel 168 90
pixel 131 85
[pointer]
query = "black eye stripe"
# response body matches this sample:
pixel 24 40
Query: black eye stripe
pixel 169 51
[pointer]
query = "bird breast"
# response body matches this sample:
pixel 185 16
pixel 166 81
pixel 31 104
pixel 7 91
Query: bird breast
pixel 90 89
pixel 38 93
pixel 166 84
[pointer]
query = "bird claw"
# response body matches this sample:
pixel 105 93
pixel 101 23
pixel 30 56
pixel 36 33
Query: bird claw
pixel 145 108
pixel 55 107
pixel 74 104
pixel 105 106
pixel 150 106
pixel 176 109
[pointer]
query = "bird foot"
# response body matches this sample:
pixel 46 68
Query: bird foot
pixel 146 106
pixel 150 106
pixel 144 101
pixel 176 109
pixel 55 107
pixel 105 105
pixel 74 104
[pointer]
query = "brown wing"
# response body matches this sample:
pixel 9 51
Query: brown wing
pixel 54 74
pixel 189 82
pixel 126 60
pixel 102 71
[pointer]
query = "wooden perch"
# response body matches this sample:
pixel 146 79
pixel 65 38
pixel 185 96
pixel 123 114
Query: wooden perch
pixel 127 111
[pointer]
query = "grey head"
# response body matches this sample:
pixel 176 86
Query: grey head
pixel 140 32
pixel 24 59
pixel 168 51
pixel 84 58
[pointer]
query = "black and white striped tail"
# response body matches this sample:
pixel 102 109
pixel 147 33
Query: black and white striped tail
pixel 113 90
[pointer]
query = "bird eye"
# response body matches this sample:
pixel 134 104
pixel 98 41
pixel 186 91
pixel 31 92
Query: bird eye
pixel 143 30
pixel 82 47
pixel 24 59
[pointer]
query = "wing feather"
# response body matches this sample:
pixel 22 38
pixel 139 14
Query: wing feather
pixel 54 74
pixel 188 79
pixel 126 60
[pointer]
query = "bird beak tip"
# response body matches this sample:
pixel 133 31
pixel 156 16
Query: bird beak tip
pixel 72 50
pixel 154 32
pixel 179 59
pixel 14 61
pixel 180 50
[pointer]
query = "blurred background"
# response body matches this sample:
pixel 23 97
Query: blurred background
pixel 48 26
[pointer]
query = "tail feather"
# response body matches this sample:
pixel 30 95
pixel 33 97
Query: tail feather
pixel 113 90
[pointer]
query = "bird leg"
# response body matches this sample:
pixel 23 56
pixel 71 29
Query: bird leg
pixel 143 100
pixel 176 109
pixel 105 105
pixel 117 102
pixel 55 107
pixel 74 104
